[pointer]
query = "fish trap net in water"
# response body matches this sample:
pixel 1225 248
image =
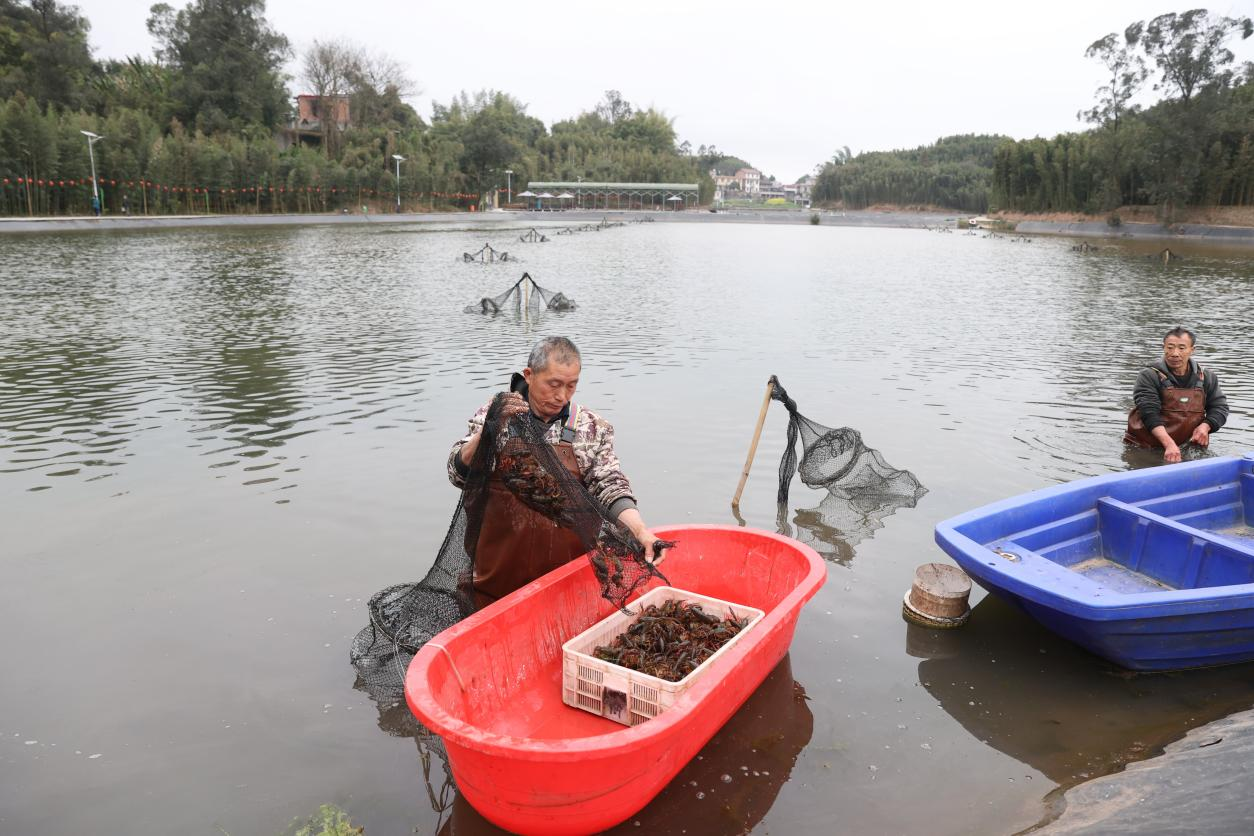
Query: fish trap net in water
pixel 533 236
pixel 863 488
pixel 487 255
pixel 524 295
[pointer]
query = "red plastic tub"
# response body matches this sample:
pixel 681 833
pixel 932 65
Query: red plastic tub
pixel 491 686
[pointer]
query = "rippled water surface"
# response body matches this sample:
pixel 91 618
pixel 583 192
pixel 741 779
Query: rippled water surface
pixel 216 445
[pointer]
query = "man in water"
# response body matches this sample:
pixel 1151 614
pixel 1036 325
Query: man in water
pixel 1177 401
pixel 517 544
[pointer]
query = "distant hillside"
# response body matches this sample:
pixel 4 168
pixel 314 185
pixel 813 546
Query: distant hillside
pixel 955 172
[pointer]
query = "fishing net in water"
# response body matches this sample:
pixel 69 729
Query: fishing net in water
pixel 532 236
pixel 863 488
pixel 487 255
pixel 406 616
pixel 524 294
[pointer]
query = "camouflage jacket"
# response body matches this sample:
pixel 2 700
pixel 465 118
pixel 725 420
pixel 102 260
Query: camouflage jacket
pixel 594 454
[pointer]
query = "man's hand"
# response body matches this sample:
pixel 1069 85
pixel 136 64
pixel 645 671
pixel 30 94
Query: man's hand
pixel 1171 454
pixel 647 541
pixel 1201 436
pixel 514 404
pixel 631 518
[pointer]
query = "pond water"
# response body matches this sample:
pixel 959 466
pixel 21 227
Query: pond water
pixel 215 445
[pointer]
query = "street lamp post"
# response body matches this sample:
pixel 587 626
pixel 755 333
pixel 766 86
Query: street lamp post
pixel 399 159
pixel 509 191
pixel 92 139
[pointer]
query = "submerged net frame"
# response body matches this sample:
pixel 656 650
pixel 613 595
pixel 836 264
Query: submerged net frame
pixel 524 295
pixel 487 255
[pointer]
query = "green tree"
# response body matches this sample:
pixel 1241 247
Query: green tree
pixel 1127 72
pixel 1189 50
pixel 44 52
pixel 226 63
pixel 1190 53
pixel 613 108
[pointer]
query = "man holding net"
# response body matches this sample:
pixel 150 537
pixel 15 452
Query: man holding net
pixel 517 543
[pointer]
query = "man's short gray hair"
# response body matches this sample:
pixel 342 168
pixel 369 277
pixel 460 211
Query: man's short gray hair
pixel 1181 331
pixel 552 350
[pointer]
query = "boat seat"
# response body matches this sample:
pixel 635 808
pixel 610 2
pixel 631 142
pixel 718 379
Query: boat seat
pixel 1051 575
pixel 1247 497
pixel 1172 552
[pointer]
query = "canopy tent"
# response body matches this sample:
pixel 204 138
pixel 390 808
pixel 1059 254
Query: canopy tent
pixel 597 195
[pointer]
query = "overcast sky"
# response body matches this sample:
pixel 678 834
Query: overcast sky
pixel 781 84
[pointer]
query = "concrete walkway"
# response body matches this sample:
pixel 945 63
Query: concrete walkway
pixel 1241 235
pixel 1198 233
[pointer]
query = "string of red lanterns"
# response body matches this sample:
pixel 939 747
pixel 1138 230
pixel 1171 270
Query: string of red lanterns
pixel 159 187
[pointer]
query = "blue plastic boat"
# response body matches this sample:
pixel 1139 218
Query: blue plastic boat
pixel 1152 569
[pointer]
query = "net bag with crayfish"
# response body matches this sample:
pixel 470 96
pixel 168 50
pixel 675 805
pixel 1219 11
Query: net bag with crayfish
pixel 406 616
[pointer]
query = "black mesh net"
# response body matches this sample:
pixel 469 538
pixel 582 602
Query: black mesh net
pixel 863 488
pixel 533 236
pixel 404 617
pixel 487 255
pixel 524 294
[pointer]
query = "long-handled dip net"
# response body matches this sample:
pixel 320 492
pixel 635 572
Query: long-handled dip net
pixel 863 488
pixel 406 616
pixel 524 294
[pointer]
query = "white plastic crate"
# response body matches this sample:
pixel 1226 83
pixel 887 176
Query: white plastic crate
pixel 621 694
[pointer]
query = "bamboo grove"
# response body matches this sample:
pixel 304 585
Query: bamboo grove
pixel 204 125
pixel 1192 147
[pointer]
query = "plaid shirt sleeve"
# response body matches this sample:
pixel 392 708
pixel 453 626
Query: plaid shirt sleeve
pixel 456 471
pixel 602 473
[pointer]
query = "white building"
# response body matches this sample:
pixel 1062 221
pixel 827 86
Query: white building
pixel 749 180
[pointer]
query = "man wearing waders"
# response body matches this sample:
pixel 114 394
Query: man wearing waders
pixel 516 544
pixel 1177 401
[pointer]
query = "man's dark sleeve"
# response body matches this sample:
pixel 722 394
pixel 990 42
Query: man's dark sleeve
pixel 1148 399
pixel 1216 402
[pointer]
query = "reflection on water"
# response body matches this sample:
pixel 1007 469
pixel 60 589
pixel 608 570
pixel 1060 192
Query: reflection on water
pixel 839 523
pixel 396 720
pixel 1051 705
pixel 730 784
pixel 215 444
